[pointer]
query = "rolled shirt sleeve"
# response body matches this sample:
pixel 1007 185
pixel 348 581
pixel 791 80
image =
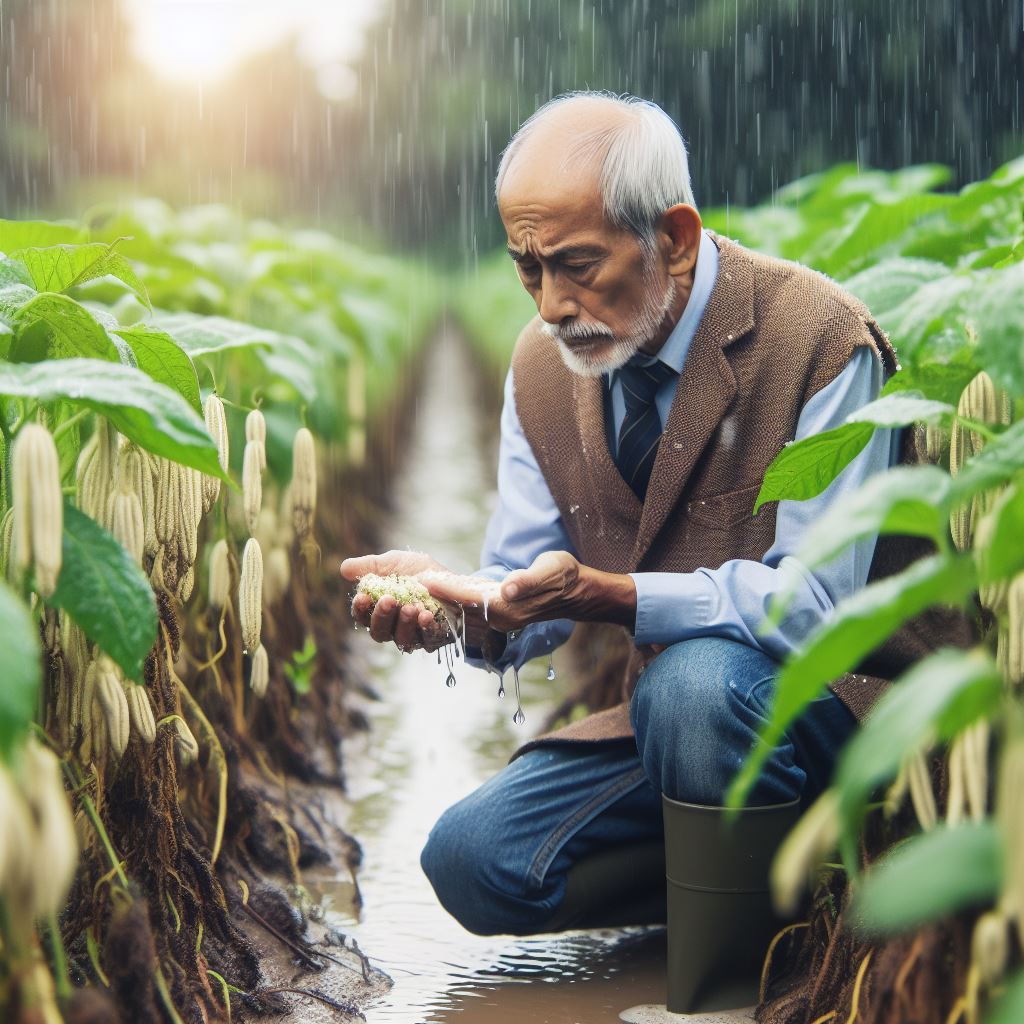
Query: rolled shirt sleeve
pixel 733 600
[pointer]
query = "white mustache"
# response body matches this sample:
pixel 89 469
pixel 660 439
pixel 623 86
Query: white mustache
pixel 577 330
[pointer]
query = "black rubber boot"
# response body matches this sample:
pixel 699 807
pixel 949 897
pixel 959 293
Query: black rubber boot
pixel 720 917
pixel 614 888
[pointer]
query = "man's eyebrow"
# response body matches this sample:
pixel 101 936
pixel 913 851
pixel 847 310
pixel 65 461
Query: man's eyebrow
pixel 569 252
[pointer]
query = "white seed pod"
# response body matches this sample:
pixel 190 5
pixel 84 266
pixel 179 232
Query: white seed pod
pixel 140 712
pixel 960 521
pixel 190 512
pixel 992 595
pixel 256 430
pixel 18 847
pixel 1011 638
pixel 990 946
pixel 75 647
pixel 54 831
pixel 220 575
pixel 984 402
pixel 38 506
pixel 276 575
pixel 250 595
pixel 217 425
pixel 126 523
pixel 267 532
pixel 137 477
pixel 303 484
pixel 976 741
pixel 185 741
pixel 167 498
pixel 252 484
pixel 110 697
pixel 956 799
pixel 1010 817
pixel 98 473
pixel 921 793
pixel 814 836
pixel 259 672
pixel 85 456
pixel 186 584
pixel 6 537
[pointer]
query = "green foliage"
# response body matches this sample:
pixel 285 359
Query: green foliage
pixel 299 669
pixel 930 876
pixel 1009 1007
pixel 20 670
pixel 103 590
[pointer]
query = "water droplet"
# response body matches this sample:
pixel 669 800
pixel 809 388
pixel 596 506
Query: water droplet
pixel 501 690
pixel 450 681
pixel 519 718
pixel 513 634
pixel 551 669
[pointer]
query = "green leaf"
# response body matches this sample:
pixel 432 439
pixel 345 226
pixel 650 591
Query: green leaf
pixel 18 234
pixel 1003 557
pixel 910 500
pixel 201 335
pixel 1009 1007
pixel 995 309
pixel 20 670
pixel 856 628
pixel 805 468
pixel 60 267
pixel 1000 460
pixel 50 325
pixel 146 412
pixel 157 354
pixel 886 284
pixel 901 409
pixel 106 593
pixel 929 877
pixel 937 697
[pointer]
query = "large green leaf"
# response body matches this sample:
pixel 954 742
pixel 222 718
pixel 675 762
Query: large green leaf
pixel 1009 1007
pixel 106 593
pixel 911 500
pixel 999 461
pixel 805 468
pixel 17 234
pixel 997 312
pixel 886 284
pixel 929 877
pixel 54 326
pixel 201 335
pixel 150 414
pixel 1003 557
pixel 937 698
pixel 156 353
pixel 60 267
pixel 857 626
pixel 20 669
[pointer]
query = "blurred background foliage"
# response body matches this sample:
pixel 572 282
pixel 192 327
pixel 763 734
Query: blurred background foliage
pixel 765 92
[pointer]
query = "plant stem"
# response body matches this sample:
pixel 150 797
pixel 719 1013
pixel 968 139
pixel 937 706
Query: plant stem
pixel 60 957
pixel 978 428
pixel 90 810
pixel 71 421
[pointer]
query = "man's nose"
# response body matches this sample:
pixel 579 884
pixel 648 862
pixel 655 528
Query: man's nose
pixel 555 302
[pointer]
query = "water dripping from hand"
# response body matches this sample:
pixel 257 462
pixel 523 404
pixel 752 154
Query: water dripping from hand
pixel 519 718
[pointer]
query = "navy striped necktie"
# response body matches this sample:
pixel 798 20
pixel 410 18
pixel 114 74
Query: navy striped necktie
pixel 641 428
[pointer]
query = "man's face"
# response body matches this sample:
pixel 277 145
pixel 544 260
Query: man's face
pixel 600 294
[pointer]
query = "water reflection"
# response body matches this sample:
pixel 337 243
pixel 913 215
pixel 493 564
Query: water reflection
pixel 430 746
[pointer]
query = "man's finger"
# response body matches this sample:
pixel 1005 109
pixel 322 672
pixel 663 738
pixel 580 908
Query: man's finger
pixel 355 568
pixel 362 606
pixel 407 630
pixel 521 583
pixel 382 621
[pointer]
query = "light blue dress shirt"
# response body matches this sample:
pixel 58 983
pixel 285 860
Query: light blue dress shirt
pixel 732 600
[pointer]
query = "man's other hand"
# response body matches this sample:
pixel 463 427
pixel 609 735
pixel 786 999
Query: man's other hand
pixel 555 586
pixel 410 626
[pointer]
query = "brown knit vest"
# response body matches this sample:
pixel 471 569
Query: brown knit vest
pixel 772 335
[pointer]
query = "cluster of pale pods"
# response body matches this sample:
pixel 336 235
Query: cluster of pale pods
pixel 153 507
pixel 968 754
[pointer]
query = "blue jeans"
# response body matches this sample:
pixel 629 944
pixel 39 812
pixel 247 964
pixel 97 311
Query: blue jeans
pixel 498 860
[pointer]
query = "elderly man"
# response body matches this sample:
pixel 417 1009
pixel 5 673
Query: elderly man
pixel 665 370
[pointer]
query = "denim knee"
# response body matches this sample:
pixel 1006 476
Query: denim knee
pixel 691 717
pixel 463 869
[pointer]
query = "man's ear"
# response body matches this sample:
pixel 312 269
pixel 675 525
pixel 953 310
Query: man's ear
pixel 681 226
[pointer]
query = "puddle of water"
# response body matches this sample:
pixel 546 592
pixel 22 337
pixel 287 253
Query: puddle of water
pixel 430 746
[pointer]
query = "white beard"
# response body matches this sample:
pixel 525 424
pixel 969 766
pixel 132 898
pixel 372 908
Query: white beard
pixel 623 346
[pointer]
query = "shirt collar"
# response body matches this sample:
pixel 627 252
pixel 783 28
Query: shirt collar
pixel 677 344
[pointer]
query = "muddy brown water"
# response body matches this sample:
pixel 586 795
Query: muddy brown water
pixel 430 746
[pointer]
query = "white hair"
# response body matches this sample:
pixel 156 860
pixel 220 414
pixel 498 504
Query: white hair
pixel 644 168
